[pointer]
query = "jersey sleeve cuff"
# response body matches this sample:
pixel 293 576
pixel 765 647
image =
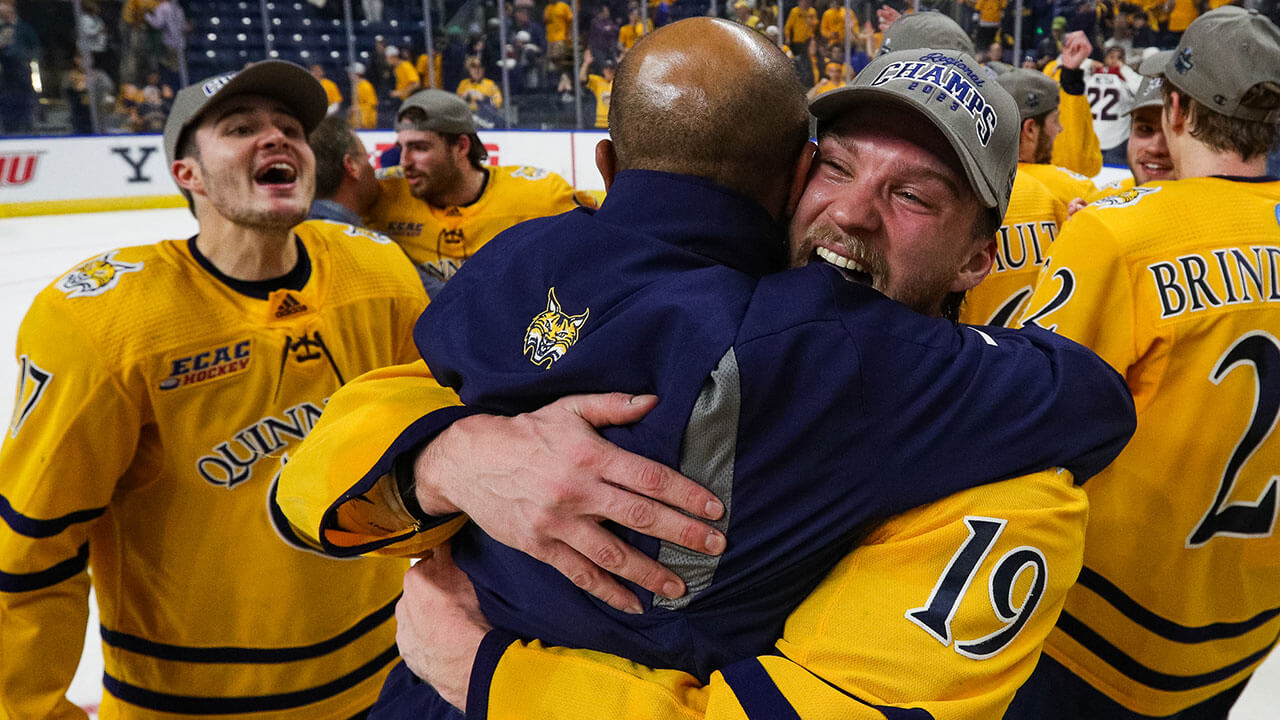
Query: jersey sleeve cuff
pixel 1072 81
pixel 422 431
pixel 492 648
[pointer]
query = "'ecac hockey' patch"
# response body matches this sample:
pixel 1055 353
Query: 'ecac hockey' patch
pixel 1126 198
pixel 213 364
pixel 96 276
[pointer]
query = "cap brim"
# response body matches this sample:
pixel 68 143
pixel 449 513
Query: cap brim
pixel 837 102
pixel 1156 64
pixel 286 82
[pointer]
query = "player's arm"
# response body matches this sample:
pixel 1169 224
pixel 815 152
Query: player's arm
pixel 73 434
pixel 943 609
pixel 339 489
pixel 1076 147
pixel 1085 281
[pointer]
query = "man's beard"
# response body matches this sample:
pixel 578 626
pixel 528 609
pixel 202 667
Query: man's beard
pixel 1044 148
pixel 926 291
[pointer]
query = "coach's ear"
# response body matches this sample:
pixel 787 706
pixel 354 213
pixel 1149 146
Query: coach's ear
pixel 606 162
pixel 800 178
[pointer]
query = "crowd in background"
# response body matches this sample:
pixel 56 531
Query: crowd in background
pixel 133 53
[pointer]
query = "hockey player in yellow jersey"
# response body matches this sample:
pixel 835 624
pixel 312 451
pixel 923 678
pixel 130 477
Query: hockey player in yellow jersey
pixel 1038 103
pixel 1077 148
pixel 162 388
pixel 1175 283
pixel 1146 153
pixel 1032 222
pixel 442 203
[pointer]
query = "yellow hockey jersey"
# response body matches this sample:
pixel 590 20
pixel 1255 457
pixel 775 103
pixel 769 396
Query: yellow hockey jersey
pixel 156 408
pixel 439 240
pixel 1178 597
pixel 967 587
pixel 1076 147
pixel 1066 185
pixel 1022 246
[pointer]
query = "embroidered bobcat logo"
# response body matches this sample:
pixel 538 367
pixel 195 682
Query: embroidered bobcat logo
pixel 96 276
pixel 552 332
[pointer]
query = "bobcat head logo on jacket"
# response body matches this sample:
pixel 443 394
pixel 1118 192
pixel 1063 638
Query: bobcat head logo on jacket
pixel 552 332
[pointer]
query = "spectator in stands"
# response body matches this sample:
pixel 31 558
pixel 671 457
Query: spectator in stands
pixel 1051 45
pixel 482 94
pixel 431 67
pixel 92 36
pixel 170 24
pixel 635 28
pixel 364 109
pixel 527 58
pixel 801 25
pixel 557 18
pixel 346 186
pixel 600 85
pixel 331 91
pixel 835 23
pixel 743 14
pixel 381 74
pixel 454 61
pixel 19 45
pixel 1143 35
pixel 372 10
pixel 834 79
pixel 407 79
pixel 602 40
pixel 141 42
pixel 79 89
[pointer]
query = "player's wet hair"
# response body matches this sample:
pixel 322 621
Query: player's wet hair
pixel 332 141
pixel 1246 138
pixel 736 117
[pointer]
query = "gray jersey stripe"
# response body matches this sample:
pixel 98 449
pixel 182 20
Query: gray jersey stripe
pixel 707 455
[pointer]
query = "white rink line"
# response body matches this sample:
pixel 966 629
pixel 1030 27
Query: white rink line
pixel 36 250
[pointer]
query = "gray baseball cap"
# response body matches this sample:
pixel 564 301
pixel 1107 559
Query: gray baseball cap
pixel 926 30
pixel 954 93
pixel 1035 92
pixel 1148 94
pixel 284 81
pixel 446 113
pixel 1221 56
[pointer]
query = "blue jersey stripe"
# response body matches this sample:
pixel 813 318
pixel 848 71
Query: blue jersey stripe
pixel 192 705
pixel 31 527
pixel 182 653
pixel 756 692
pixel 1164 627
pixel 27 582
pixel 1144 675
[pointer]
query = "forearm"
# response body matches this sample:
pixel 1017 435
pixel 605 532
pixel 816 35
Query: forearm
pixel 335 488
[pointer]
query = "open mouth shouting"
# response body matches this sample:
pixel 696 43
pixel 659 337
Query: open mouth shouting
pixel 852 269
pixel 277 174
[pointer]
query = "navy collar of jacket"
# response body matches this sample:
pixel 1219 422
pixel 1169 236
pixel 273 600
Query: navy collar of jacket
pixel 697 215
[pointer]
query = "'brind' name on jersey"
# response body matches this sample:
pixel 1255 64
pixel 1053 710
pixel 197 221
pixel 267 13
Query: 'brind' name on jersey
pixel 1229 276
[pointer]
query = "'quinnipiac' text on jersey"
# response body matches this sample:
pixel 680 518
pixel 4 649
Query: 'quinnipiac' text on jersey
pixel 1180 595
pixel 156 407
